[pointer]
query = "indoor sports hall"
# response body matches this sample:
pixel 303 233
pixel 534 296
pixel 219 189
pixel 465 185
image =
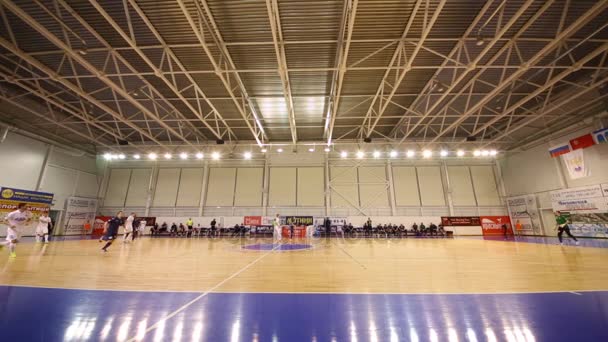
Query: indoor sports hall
pixel 304 170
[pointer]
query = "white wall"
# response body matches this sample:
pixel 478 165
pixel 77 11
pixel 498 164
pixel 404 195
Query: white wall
pixel 297 186
pixel 534 171
pixel 22 160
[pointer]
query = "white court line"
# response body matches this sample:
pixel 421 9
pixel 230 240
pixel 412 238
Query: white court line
pixel 576 293
pixel 183 307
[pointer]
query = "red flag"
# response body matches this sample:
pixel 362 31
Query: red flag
pixel 583 141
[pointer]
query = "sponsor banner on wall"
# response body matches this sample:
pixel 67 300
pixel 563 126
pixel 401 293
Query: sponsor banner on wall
pixel 589 224
pixel 448 221
pixel 37 203
pixel 101 220
pixel 252 220
pixel 26 196
pixel 605 189
pixel 299 220
pixel 492 225
pixel 338 221
pixel 577 193
pixel 589 205
pixel 79 211
pixel 524 210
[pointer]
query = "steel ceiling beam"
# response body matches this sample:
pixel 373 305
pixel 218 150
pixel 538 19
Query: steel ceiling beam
pixel 279 48
pixel 472 64
pixel 242 102
pixel 571 29
pixel 133 70
pixel 73 88
pixel 344 40
pixel 383 97
pixel 551 108
pixel 92 69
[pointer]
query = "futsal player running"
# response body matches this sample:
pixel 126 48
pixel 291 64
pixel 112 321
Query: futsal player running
pixel 42 229
pixel 129 228
pixel 15 219
pixel 111 230
pixel 276 224
pixel 562 226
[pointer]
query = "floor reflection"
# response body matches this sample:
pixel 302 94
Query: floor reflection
pixel 76 315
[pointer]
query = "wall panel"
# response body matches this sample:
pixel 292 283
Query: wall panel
pixel 138 187
pixel 30 154
pixel 117 187
pixel 60 182
pixel 220 188
pixel 373 195
pixel 431 186
pixel 87 185
pixel 165 193
pixel 190 183
pixel 405 184
pixel 311 186
pixel 249 184
pixel 462 187
pixel 485 185
pixel 282 191
pixel 344 187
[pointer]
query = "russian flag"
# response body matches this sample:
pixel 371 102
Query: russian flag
pixel 558 150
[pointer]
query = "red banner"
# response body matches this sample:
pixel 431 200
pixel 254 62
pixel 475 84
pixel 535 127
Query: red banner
pixel 492 225
pixel 252 220
pixel 451 221
pixel 298 231
pixel 98 225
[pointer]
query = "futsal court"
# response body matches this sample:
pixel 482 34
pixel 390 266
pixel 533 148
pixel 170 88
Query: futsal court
pixel 321 290
pixel 304 170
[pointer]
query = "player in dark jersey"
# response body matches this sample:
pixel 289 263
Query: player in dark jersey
pixel 111 230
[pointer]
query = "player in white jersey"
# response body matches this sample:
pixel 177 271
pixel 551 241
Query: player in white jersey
pixel 15 220
pixel 129 227
pixel 140 228
pixel 42 229
pixel 276 224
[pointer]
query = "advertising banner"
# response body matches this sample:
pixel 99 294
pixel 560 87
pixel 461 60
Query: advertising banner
pixel 589 205
pixel 79 211
pixel 37 204
pixel 577 193
pixel 605 189
pixel 252 220
pixel 338 221
pixel 449 221
pixel 299 220
pixel 524 210
pixel 492 225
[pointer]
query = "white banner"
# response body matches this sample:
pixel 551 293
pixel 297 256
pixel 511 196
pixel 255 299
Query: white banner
pixel 575 164
pixel 577 193
pixel 79 210
pixel 605 189
pixel 525 210
pixel 588 205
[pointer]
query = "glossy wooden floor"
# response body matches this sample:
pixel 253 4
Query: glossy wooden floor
pixel 332 266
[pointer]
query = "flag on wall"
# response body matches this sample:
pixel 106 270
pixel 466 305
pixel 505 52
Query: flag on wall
pixel 583 141
pixel 575 164
pixel 558 150
pixel 600 136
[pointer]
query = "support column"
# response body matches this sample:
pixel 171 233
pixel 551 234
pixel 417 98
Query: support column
pixel 502 190
pixel 391 188
pixel 203 197
pixel 266 185
pixel 151 189
pixel 327 188
pixel 447 188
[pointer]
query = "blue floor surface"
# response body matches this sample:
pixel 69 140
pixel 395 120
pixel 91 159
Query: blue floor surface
pixel 40 314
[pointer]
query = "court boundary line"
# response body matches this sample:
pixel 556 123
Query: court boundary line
pixel 350 256
pixel 200 296
pixel 313 292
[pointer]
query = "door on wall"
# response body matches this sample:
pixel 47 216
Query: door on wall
pixel 55 216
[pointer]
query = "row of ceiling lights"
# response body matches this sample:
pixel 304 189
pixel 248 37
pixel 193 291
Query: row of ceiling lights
pixel 343 154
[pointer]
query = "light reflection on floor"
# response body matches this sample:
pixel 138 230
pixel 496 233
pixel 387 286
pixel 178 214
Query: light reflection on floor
pixel 38 314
